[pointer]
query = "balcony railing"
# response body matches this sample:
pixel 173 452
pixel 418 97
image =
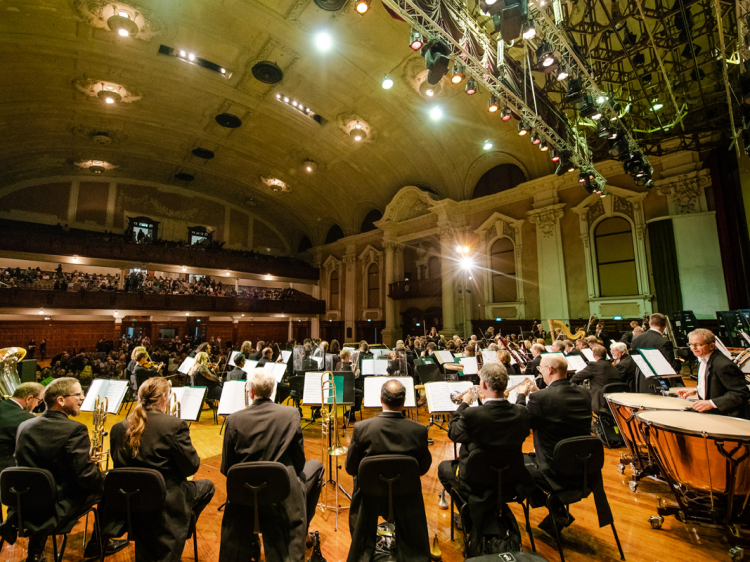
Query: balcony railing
pixel 415 289
pixel 32 298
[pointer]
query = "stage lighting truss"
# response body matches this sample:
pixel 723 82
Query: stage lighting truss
pixel 571 141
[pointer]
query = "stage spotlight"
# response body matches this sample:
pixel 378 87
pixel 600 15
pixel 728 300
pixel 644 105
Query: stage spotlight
pixel 562 73
pixel 436 113
pixel 437 61
pixel 544 55
pixel 575 88
pixel 603 130
pixel 634 166
pixel 415 40
pixel 387 83
pixel 529 31
pixel 523 128
pixel 362 6
pixel 588 109
pixel 471 87
pixel 506 113
pixel 543 146
pixel 492 106
pixel 554 156
pixel 487 144
pixel 619 149
pixel 644 180
pixel 458 73
pixel 323 41
pixel 583 177
pixel 535 140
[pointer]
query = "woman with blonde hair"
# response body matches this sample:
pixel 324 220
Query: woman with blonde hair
pixel 201 375
pixel 247 349
pixel 504 357
pixel 149 438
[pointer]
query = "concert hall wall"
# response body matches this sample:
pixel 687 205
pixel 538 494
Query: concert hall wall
pixel 60 335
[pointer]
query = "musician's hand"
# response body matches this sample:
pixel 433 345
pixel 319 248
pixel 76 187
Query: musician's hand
pixel 481 395
pixel 685 392
pixel 702 405
pixel 469 397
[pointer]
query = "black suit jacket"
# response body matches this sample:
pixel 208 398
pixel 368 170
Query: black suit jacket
pixel 561 410
pixel 142 374
pixel 262 361
pixel 11 416
pixel 60 445
pixel 726 387
pixel 652 339
pixel 532 365
pixel 237 374
pixel 265 431
pixel 628 371
pixel 166 447
pixel 493 425
pixel 600 373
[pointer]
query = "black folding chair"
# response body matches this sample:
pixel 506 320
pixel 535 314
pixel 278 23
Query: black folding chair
pixel 32 493
pixel 256 484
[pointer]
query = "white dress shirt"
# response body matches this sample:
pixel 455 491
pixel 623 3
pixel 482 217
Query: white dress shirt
pixel 702 378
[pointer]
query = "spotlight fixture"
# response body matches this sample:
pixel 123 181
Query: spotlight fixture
pixel 362 6
pixel 644 180
pixel 492 106
pixel 529 31
pixel 602 129
pixel 437 61
pixel 571 166
pixel 575 88
pixel 619 149
pixel 544 55
pixel 387 82
pixel 543 146
pixel 535 140
pixel 634 166
pixel 506 113
pixel 487 144
pixel 429 92
pixel 583 177
pixel 562 73
pixel 588 109
pixel 554 156
pixel 323 41
pixel 297 105
pixel 471 87
pixel 458 73
pixel 109 97
pixel 523 128
pixel 436 113
pixel 122 23
pixel 309 166
pixel 415 40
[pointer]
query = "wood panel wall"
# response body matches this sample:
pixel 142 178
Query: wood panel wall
pixel 266 331
pixel 59 335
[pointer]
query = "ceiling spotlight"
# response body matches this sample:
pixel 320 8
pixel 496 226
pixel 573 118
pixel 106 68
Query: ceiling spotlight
pixel 184 268
pixel 309 166
pixel 619 149
pixel 122 24
pixel 362 6
pixel 603 129
pixel 543 146
pixel 487 144
pixel 223 70
pixel 529 31
pixel 575 88
pixel 506 113
pixel 601 99
pixel 634 166
pixel 471 87
pixel 387 83
pixel 657 106
pixel 544 55
pixel 583 177
pixel 183 54
pixel 535 140
pixel 562 73
pixel 437 61
pixel 109 97
pixel 191 57
pixel 323 41
pixel 644 180
pixel 588 109
pixel 571 167
pixel 415 40
pixel 436 113
pixel 458 73
pixel 523 128
pixel 492 106
pixel 429 92
pixel 554 156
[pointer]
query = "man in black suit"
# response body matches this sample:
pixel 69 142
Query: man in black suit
pixel 625 365
pixel 14 412
pixel 266 356
pixel 531 366
pixel 627 337
pixel 653 338
pixel 390 433
pixel 259 347
pixel 56 443
pixel 603 335
pixel 600 373
pixel 722 388
pixel 265 431
pixel 559 411
pixel 237 374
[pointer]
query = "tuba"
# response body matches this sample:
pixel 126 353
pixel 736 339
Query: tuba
pixel 98 454
pixel 9 380
pixel 174 408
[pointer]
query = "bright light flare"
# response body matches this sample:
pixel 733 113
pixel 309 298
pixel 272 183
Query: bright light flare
pixel 323 41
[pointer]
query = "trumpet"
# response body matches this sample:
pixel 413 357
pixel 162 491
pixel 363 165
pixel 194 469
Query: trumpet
pixel 457 397
pixel 98 455
pixel 526 382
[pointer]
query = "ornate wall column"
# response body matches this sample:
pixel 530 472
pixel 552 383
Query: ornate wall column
pixel 389 333
pixel 350 294
pixel 447 271
pixel 696 242
pixel 553 291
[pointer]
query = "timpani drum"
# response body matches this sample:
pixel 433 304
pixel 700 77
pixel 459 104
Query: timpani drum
pixel 706 461
pixel 624 406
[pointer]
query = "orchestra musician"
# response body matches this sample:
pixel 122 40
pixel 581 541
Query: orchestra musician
pixel 531 366
pixel 503 357
pixel 624 364
pixel 130 369
pixel 266 357
pixel 149 438
pixel 489 335
pixel 246 349
pixel 722 388
pixel 265 431
pixel 628 336
pixel 56 443
pixel 570 348
pixel 599 373
pixel 433 336
pixel 202 375
pixel 141 372
pixel 14 412
pixel 654 338
pixel 237 374
pixel 559 411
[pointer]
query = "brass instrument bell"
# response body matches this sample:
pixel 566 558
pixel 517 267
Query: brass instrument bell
pixel 9 379
pixel 98 454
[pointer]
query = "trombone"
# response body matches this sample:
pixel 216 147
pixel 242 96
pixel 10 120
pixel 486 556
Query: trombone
pixel 330 434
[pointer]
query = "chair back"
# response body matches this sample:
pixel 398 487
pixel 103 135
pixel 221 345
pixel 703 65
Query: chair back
pixel 132 491
pixel 429 372
pixel 256 484
pixel 493 469
pixel 29 491
pixel 296 384
pixel 578 458
pixel 387 475
pixel 616 387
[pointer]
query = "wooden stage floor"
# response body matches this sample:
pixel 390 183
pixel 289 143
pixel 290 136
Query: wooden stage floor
pixel 583 540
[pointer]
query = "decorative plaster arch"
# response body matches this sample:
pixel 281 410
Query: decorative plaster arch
pixel 371 255
pixel 484 164
pixel 410 202
pixel 359 214
pixel 330 265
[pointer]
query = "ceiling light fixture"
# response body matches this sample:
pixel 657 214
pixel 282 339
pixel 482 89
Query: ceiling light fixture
pixel 387 83
pixel 535 139
pixel 471 87
pixel 323 41
pixel 506 113
pixel 562 73
pixel 523 128
pixel 554 156
pixel 492 106
pixel 109 97
pixel 437 61
pixel 543 146
pixel 458 73
pixel 529 31
pixel 415 40
pixel 429 92
pixel 191 57
pixel 122 24
pixel 436 113
pixel 487 144
pixel 309 166
pixel 544 55
pixel 362 6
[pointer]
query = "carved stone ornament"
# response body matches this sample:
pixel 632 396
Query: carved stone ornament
pixel 389 245
pixel 595 211
pixel 97 12
pixel 349 262
pixel 686 191
pixel 91 87
pixel 417 209
pixel 196 214
pixel 623 206
pixel 546 220
pixel 509 231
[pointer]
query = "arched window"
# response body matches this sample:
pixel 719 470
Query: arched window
pixel 334 291
pixel 334 233
pixel 304 244
pixel 372 217
pixel 433 268
pixel 499 178
pixel 373 286
pixel 503 266
pixel 615 258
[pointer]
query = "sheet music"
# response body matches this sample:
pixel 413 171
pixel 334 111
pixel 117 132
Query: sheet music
pixel 113 390
pixel 549 348
pixel 575 362
pixel 374 367
pixel 444 356
pixel 191 401
pixel 232 397
pixel 588 354
pixel 311 393
pixel 373 385
pixel 379 352
pixel 439 395
pixel 249 366
pixel 232 356
pixel 470 365
pixel 277 369
pixel 186 365
pixel 490 356
pixel 643 365
pixel 721 347
pixel 658 363
pixel 285 355
pixel 513 380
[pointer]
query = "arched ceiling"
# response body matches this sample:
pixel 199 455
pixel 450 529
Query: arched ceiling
pixel 52 50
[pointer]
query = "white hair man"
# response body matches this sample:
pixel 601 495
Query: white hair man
pixel 624 363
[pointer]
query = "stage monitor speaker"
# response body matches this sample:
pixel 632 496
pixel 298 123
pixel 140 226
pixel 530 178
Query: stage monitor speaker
pixel 27 370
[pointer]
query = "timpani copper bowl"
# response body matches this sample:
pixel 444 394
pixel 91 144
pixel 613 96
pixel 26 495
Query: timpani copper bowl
pixel 705 459
pixel 624 406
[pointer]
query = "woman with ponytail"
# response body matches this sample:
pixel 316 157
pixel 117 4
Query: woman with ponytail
pixel 149 438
